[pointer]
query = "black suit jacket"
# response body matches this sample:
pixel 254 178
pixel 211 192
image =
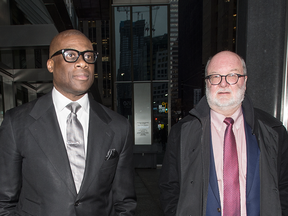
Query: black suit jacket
pixel 35 175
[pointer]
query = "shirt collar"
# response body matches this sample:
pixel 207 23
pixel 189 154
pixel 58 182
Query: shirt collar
pixel 218 119
pixel 60 101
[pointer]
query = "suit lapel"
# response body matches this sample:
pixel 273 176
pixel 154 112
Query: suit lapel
pixel 100 137
pixel 252 157
pixel 213 177
pixel 47 134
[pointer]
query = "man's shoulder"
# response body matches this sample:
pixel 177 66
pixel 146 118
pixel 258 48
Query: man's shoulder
pixel 22 109
pixel 25 109
pixel 106 113
pixel 189 119
pixel 112 113
pixel 266 118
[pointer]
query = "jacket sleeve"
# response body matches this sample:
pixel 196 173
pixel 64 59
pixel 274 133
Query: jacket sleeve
pixel 123 185
pixel 169 176
pixel 10 168
pixel 283 169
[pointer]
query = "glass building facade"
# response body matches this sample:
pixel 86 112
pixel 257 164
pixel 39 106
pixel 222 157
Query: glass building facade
pixel 142 70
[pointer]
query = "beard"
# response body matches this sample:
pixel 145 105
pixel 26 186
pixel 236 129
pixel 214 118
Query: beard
pixel 233 102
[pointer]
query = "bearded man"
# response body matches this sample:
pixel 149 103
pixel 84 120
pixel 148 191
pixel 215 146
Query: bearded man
pixel 226 157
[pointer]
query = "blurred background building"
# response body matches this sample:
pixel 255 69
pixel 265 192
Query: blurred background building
pixel 152 55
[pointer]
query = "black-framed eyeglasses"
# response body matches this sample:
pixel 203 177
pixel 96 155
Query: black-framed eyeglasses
pixel 72 55
pixel 231 79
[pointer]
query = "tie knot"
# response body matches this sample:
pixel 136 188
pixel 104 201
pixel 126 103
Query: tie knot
pixel 229 121
pixel 74 107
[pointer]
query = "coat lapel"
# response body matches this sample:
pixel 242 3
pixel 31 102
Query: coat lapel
pixel 100 137
pixel 47 134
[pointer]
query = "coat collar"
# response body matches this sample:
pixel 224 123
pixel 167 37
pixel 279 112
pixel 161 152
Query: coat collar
pixel 202 110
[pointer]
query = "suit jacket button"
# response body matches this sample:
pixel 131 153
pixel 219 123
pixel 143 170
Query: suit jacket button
pixel 76 203
pixel 218 209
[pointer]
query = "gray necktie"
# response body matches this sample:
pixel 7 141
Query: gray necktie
pixel 75 144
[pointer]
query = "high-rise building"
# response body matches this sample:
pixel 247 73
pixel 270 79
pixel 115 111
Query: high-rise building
pixel 175 100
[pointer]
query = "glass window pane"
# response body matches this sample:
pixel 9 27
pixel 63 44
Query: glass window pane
pixel 160 113
pixel 160 42
pixel 107 81
pixel 123 43
pixel 141 42
pixel 124 100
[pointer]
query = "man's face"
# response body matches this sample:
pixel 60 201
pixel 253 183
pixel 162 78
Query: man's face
pixel 225 98
pixel 71 79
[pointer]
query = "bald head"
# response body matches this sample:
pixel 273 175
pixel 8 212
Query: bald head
pixel 224 55
pixel 55 44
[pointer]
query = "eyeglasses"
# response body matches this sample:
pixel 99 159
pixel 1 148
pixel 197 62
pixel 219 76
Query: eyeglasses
pixel 71 55
pixel 231 79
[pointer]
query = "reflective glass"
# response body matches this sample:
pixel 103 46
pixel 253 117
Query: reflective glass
pixel 124 100
pixel 160 114
pixel 160 42
pixel 141 42
pixel 122 43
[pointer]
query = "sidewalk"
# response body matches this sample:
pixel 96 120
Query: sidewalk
pixel 147 191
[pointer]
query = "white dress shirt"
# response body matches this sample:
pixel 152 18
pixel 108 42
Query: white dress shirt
pixel 60 102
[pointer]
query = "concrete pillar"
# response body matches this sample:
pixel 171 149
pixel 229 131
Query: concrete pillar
pixel 8 94
pixel 261 42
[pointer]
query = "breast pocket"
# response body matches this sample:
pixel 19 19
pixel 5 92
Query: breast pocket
pixel 109 164
pixel 107 172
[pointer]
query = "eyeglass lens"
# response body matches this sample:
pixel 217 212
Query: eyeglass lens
pixel 72 56
pixel 230 79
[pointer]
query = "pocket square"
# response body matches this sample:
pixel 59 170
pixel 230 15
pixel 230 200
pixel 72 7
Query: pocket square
pixel 112 153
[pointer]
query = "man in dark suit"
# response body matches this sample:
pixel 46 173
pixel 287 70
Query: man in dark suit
pixel 226 158
pixel 62 162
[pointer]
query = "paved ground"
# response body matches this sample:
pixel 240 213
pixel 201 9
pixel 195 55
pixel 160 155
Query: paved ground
pixel 147 191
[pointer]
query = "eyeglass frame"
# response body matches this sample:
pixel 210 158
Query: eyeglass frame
pixel 62 51
pixel 238 75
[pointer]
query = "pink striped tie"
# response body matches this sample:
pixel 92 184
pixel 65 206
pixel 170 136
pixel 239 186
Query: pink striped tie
pixel 231 201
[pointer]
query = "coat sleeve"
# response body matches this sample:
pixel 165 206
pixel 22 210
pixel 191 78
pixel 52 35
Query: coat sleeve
pixel 123 189
pixel 10 168
pixel 169 176
pixel 283 169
